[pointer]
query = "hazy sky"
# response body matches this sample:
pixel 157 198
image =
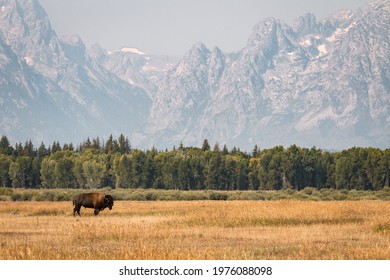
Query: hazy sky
pixel 173 26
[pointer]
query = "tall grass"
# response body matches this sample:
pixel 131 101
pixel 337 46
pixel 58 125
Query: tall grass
pixel 283 229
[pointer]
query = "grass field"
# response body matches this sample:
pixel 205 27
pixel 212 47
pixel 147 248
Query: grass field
pixel 147 230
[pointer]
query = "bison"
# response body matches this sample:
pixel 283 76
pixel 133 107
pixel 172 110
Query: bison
pixel 97 201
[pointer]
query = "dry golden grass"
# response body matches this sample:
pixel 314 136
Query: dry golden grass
pixel 197 230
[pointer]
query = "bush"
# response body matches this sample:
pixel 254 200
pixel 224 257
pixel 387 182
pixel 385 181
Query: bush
pixel 40 197
pixel 6 191
pixel 307 193
pixel 218 196
pixel 309 190
pixel 62 196
pixel 150 196
pixel 27 196
pixel 16 197
pixel 384 193
pixel 48 196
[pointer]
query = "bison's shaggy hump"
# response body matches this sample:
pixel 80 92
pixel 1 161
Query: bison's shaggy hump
pixel 97 201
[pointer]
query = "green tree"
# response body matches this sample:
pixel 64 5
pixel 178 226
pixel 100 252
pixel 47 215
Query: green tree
pixel 272 168
pixel 294 167
pixel 109 175
pixel 228 174
pixel 275 171
pixel 5 162
pixel 56 147
pixel 48 179
pixel 138 172
pixel 96 143
pixel 149 171
pixel 124 144
pixel 28 149
pixel 16 175
pixel 63 173
pixel 21 172
pixel 93 172
pixel 213 171
pixel 253 174
pixel 184 176
pixel 242 176
pixel 329 169
pixel 256 151
pixel 5 147
pixel 386 167
pixel 79 173
pixel 205 145
pixel 18 151
pixel 376 169
pixel 112 145
pixel 42 151
pixel 122 171
pixel 36 172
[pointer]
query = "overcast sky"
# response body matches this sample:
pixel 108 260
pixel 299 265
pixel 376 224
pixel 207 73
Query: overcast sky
pixel 172 26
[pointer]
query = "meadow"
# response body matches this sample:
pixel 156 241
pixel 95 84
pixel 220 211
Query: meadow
pixel 201 229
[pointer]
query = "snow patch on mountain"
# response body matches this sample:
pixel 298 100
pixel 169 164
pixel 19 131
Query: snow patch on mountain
pixel 132 50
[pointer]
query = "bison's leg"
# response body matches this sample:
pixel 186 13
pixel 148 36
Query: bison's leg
pixel 76 209
pixel 96 211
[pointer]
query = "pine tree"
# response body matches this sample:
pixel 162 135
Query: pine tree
pixel 5 162
pixel 255 151
pixel 18 151
pixel 28 149
pixel 87 143
pixel 225 150
pixel 96 143
pixel 124 144
pixel 205 145
pixel 42 151
pixel 5 147
pixel 56 147
pixel 109 148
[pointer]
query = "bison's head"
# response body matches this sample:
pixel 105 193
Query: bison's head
pixel 108 201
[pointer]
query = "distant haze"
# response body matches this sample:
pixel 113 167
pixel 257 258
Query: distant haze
pixel 172 26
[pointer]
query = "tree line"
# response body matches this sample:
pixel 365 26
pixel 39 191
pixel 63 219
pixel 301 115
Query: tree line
pixel 114 163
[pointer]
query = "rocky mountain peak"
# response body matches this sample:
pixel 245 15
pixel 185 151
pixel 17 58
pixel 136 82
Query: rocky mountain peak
pixel 322 82
pixel 305 83
pixel 51 89
pixel 306 24
pixel 74 48
pixel 25 21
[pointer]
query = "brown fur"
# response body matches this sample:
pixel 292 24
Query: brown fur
pixel 97 201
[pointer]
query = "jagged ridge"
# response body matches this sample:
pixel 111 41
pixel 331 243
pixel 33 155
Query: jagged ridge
pixel 324 83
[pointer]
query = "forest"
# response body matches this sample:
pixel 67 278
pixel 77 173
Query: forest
pixel 115 164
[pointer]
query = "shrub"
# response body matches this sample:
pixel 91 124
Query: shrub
pixel 218 196
pixel 48 196
pixel 384 193
pixel 16 197
pixel 307 193
pixel 6 191
pixel 309 190
pixel 27 196
pixel 150 196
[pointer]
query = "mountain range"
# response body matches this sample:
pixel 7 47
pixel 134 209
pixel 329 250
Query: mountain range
pixel 323 83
